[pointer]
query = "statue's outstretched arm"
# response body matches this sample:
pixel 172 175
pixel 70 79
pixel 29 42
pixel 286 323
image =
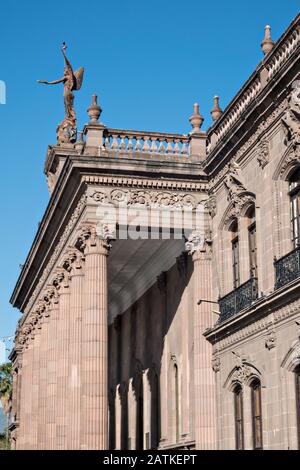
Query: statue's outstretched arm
pixel 54 82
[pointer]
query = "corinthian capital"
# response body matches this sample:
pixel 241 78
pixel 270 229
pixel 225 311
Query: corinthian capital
pixel 195 243
pixel 93 236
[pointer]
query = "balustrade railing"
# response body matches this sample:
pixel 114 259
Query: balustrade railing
pixel 147 142
pixel 287 268
pixel 281 52
pixel 238 299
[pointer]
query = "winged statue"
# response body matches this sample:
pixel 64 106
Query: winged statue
pixel 67 130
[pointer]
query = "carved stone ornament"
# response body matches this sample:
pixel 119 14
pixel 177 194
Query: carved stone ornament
pixel 233 181
pixel 195 242
pixel 263 153
pixel 216 363
pixel 291 118
pixel 242 370
pixel 145 198
pixel 270 341
pixel 211 205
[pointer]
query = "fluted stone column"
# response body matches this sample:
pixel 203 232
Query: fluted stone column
pixel 52 371
pixel 94 391
pixel 43 353
pixel 74 399
pixel 205 394
pixel 63 364
pixel 36 390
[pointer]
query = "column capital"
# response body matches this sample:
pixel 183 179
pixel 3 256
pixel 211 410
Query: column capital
pixel 199 245
pixel 95 237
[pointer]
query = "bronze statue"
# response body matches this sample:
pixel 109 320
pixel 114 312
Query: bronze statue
pixel 66 131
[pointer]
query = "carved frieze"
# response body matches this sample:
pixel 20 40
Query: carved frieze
pixel 139 197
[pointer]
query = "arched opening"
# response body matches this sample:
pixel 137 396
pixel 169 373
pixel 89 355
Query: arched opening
pixel 256 414
pixel 238 417
pixel 294 193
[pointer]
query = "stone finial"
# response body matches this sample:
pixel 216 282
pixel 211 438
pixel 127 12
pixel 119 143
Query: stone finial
pixel 216 111
pixel 80 143
pixel 94 110
pixel 196 120
pixel 267 43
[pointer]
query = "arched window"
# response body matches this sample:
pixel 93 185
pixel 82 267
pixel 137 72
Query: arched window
pixel 238 417
pixel 235 254
pixel 294 192
pixel 252 241
pixel 297 381
pixel 256 414
pixel 176 397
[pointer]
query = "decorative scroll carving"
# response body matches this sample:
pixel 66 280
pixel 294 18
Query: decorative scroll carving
pixel 68 230
pixel 291 118
pixel 290 158
pixel 270 341
pixel 145 198
pixel 233 181
pixel 211 205
pixel 198 242
pixel 262 155
pixel 91 235
pixel 216 363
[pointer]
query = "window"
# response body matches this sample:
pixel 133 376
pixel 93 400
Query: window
pixel 235 254
pixel 256 414
pixel 239 419
pixel 252 242
pixel 297 377
pixel 294 191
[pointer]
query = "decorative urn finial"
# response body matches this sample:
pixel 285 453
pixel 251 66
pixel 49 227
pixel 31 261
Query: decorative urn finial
pixel 196 120
pixel 216 111
pixel 267 43
pixel 94 110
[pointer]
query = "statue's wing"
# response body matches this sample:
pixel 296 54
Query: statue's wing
pixel 79 77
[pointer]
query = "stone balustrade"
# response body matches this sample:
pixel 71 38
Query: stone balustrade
pixel 275 59
pixel 283 52
pixel 148 142
pixel 239 107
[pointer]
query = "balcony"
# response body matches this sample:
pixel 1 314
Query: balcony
pixel 287 268
pixel 238 299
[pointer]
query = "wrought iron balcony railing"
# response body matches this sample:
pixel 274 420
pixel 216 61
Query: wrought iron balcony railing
pixel 287 268
pixel 238 299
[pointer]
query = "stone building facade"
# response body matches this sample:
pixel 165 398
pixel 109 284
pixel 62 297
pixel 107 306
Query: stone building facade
pixel 140 333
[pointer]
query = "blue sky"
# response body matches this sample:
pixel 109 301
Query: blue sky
pixel 147 61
